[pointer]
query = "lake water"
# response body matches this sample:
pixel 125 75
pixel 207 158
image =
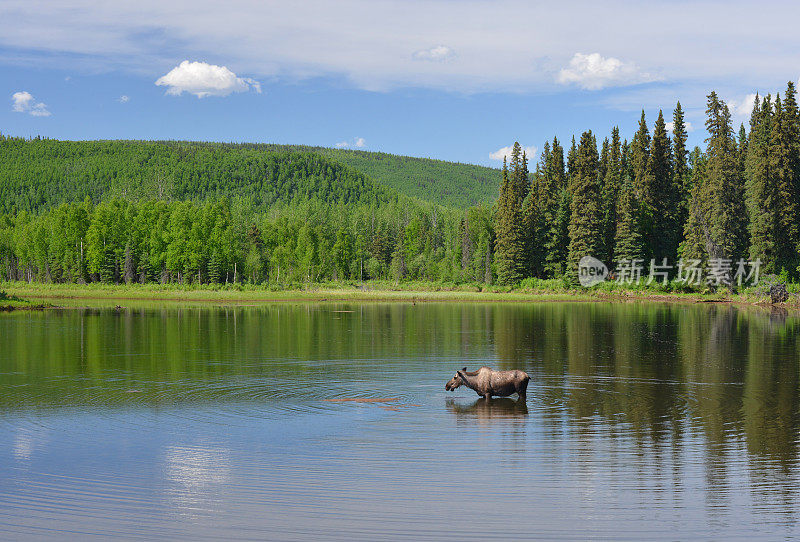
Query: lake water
pixel 330 421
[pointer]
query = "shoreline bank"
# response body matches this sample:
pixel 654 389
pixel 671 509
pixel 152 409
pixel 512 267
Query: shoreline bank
pixel 363 292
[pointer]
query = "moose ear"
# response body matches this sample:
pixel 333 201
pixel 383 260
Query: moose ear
pixel 464 369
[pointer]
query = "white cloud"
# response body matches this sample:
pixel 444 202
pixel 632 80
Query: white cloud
pixel 357 142
pixel 24 102
pixel 440 53
pixel 204 80
pixel 593 72
pixel 124 99
pixel 369 44
pixel 505 152
pixel 688 125
pixel 742 107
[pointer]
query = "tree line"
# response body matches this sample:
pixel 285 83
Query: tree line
pixel 127 211
pixel 653 199
pixel 228 241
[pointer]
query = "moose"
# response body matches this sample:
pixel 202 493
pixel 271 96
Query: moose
pixel 487 382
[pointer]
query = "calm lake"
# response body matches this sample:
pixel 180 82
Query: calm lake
pixel 330 421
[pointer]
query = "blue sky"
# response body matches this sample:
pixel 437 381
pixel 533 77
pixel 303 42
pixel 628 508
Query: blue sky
pixel 455 80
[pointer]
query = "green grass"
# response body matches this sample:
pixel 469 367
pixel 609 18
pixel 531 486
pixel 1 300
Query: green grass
pixel 10 302
pixel 530 290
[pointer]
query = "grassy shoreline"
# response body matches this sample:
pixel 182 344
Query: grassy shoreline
pixel 369 291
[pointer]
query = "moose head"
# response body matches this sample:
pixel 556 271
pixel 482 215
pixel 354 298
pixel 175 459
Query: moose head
pixel 455 382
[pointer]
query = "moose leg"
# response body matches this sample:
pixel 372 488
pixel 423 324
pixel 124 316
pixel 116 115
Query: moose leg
pixel 522 390
pixel 487 396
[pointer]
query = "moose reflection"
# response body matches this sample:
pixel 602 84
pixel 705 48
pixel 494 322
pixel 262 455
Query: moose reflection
pixel 483 409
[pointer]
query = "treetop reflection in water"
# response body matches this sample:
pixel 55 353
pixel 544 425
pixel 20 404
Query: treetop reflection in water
pixel 192 421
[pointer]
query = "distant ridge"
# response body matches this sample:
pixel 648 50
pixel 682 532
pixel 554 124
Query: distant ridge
pixel 39 173
pixel 453 184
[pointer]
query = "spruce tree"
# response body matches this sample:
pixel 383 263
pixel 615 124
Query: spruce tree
pixel 602 167
pixel 555 201
pixel 782 165
pixel 612 181
pixel 718 199
pixel 666 196
pixel 742 148
pixel 518 173
pixel 585 226
pixel 572 158
pixel 533 221
pixel 643 184
pixel 761 188
pixel 629 244
pixel 680 168
pixel 509 240
pixel 695 230
pixel 789 193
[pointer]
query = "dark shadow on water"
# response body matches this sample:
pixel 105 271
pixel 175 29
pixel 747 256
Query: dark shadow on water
pixel 503 407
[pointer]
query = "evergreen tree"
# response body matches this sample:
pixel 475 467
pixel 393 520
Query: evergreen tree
pixel 760 188
pixel 612 181
pixel 533 218
pixel 555 201
pixel 572 161
pixel 518 172
pixel 643 185
pixel 666 233
pixel 742 149
pixel 510 238
pixel 680 169
pixel 717 208
pixel 782 169
pixel 585 226
pixel 628 242
pixel 695 230
pixel 602 167
pixel 789 193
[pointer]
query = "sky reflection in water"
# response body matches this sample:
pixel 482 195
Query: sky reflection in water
pixel 642 421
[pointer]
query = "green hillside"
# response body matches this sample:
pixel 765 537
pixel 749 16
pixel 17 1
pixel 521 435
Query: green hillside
pixel 125 211
pixel 452 184
pixel 41 173
pixel 448 183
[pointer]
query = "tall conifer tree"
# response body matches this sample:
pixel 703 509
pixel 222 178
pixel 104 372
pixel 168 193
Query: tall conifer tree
pixel 612 181
pixel 680 167
pixel 585 227
pixel 556 204
pixel 643 184
pixel 761 188
pixel 782 167
pixel 666 232
pixel 509 235
pixel 717 208
pixel 629 244
pixel 789 193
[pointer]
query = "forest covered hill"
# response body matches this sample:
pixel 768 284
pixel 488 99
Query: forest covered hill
pixel 117 211
pixel 448 183
pixel 40 173
pixel 453 184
